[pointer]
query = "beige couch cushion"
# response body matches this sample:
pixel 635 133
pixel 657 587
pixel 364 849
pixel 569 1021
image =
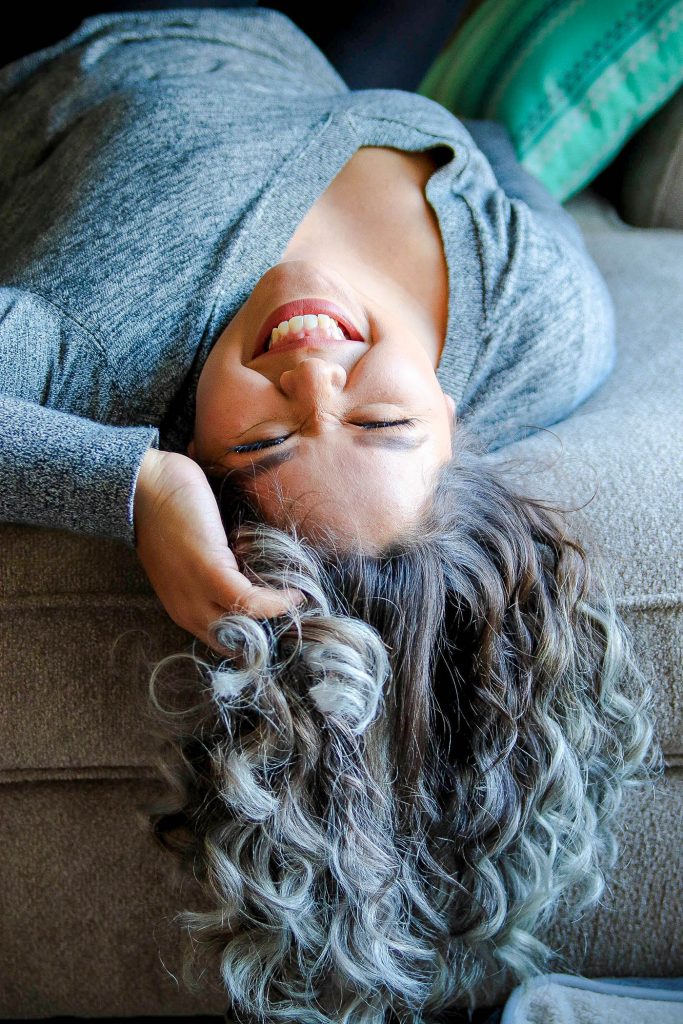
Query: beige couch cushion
pixel 620 456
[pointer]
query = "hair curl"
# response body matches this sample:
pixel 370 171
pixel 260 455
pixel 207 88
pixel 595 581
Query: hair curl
pixel 387 792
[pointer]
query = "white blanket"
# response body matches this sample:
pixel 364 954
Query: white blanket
pixel 568 999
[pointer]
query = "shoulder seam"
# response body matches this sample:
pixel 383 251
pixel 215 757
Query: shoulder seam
pixel 55 305
pixel 83 328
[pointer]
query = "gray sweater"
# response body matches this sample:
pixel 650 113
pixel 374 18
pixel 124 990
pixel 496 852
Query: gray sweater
pixel 154 165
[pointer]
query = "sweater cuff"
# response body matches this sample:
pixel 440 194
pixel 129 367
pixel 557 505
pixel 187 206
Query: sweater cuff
pixel 66 472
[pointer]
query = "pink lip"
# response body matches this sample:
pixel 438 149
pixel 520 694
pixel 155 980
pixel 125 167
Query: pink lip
pixel 314 339
pixel 298 307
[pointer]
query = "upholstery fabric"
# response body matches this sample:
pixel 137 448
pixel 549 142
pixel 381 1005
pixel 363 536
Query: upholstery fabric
pixel 571 81
pixel 87 898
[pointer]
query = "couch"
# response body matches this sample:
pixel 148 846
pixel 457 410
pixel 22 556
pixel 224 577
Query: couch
pixel 87 898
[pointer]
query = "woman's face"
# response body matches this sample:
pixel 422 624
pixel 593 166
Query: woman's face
pixel 352 432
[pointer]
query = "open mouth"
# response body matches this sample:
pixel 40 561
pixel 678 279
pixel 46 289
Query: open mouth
pixel 305 322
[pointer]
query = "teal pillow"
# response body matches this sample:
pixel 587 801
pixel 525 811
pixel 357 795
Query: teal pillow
pixel 571 80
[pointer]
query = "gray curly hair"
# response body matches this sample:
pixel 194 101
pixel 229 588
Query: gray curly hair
pixel 387 792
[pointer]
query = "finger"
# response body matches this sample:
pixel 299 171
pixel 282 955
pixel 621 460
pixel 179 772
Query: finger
pixel 267 603
pixel 208 640
pixel 240 594
pixel 206 631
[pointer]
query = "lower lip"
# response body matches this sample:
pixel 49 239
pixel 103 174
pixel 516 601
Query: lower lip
pixel 314 339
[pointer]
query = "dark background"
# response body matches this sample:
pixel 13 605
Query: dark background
pixel 376 44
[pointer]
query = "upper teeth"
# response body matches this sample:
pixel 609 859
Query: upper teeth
pixel 299 324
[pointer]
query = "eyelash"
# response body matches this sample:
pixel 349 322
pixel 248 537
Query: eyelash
pixel 256 446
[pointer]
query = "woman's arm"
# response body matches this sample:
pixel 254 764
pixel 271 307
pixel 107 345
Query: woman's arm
pixel 61 466
pixel 66 472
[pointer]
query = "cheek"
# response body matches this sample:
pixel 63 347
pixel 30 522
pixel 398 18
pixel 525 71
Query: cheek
pixel 229 404
pixel 408 374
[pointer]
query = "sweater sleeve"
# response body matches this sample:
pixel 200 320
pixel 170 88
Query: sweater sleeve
pixel 546 330
pixel 66 472
pixel 59 469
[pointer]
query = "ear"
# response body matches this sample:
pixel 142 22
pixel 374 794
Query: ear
pixel 450 405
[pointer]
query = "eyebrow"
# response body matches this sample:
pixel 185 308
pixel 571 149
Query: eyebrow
pixel 367 440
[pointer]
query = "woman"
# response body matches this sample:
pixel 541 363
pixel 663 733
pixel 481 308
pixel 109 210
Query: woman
pixel 390 783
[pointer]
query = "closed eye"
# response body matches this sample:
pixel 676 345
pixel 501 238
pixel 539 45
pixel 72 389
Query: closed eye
pixel 257 446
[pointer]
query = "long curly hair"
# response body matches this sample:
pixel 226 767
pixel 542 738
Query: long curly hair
pixel 387 792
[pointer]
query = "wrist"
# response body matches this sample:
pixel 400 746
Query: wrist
pixel 146 485
pixel 149 468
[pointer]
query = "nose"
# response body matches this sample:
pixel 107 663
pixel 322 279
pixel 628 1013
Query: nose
pixel 313 380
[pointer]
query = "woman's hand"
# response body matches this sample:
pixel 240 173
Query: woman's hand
pixel 181 543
